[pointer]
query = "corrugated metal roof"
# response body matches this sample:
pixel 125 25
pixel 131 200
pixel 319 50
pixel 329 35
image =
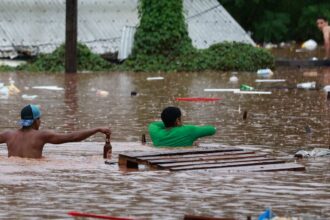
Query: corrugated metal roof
pixel 210 23
pixel 126 44
pixel 39 24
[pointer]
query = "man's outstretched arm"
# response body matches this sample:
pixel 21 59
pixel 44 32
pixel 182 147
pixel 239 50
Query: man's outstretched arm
pixel 56 138
pixel 3 137
pixel 327 44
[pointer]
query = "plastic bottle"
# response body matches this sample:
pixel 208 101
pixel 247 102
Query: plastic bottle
pixel 244 87
pixel 107 149
pixel 233 79
pixel 4 91
pixel 143 139
pixel 245 115
pixel 307 85
pixel 265 72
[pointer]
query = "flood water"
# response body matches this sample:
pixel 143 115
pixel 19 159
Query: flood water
pixel 74 177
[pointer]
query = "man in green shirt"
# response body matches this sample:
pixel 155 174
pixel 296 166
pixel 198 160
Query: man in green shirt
pixel 172 133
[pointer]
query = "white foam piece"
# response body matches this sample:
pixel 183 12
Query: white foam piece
pixel 155 78
pixel 53 88
pixel 253 92
pixel 270 80
pixel 221 90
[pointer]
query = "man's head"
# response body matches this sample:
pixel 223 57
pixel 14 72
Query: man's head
pixel 30 117
pixel 321 22
pixel 171 117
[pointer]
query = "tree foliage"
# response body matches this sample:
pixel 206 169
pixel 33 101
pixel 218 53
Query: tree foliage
pixel 55 61
pixel 162 44
pixel 280 20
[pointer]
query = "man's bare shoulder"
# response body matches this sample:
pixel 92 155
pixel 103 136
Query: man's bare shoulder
pixel 46 133
pixel 8 133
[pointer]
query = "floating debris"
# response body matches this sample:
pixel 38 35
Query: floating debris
pixel 265 72
pixel 316 152
pixel 233 79
pixel 29 97
pixel 52 88
pixel 102 93
pixel 245 87
pixel 254 92
pixel 245 115
pixel 221 90
pixel 307 85
pixel 309 45
pixel 270 80
pixel 155 78
pixel 4 91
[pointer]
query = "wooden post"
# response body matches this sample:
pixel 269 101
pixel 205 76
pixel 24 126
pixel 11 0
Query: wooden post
pixel 71 36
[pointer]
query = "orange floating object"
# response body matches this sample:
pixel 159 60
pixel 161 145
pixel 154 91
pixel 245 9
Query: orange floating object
pixel 90 215
pixel 197 99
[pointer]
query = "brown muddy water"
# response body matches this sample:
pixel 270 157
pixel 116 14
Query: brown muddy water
pixel 74 176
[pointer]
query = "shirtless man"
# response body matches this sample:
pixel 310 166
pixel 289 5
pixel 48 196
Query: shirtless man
pixel 28 141
pixel 322 24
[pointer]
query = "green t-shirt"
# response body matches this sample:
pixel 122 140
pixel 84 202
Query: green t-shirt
pixel 181 136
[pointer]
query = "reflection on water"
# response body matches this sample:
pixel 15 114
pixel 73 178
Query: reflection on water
pixel 74 177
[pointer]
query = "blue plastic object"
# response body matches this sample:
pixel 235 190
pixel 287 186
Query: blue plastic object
pixel 266 215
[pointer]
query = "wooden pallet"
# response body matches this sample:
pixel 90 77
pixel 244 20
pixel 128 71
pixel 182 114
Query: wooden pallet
pixel 226 159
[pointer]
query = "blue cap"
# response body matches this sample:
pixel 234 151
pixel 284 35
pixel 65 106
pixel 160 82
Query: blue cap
pixel 29 114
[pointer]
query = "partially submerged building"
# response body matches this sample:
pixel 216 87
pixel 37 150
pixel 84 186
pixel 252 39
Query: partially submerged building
pixel 38 26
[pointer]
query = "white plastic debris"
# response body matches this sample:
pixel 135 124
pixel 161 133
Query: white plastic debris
pixel 4 91
pixel 29 97
pixel 307 85
pixel 265 72
pixel 233 79
pixel 326 88
pixel 52 88
pixel 221 90
pixel 316 152
pixel 254 92
pixel 270 80
pixel 309 45
pixel 155 78
pixel 102 93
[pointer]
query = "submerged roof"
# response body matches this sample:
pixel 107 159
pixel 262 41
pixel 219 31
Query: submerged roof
pixel 38 26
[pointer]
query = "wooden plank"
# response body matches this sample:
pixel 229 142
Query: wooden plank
pixel 170 165
pixel 221 157
pixel 182 152
pixel 195 155
pixel 260 168
pixel 130 162
pixel 213 166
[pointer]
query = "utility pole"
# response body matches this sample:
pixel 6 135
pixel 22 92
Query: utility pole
pixel 71 33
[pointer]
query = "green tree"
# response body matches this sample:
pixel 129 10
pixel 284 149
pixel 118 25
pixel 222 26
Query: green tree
pixel 281 20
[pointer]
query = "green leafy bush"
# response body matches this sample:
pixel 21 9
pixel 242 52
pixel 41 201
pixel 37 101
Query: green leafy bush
pixel 162 44
pixel 54 62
